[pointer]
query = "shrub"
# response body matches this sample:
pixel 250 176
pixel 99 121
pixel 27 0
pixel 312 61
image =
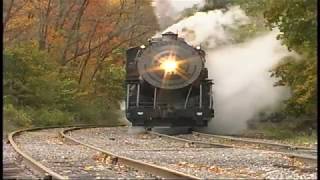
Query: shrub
pixel 96 112
pixel 41 92
pixel 15 118
pixel 50 117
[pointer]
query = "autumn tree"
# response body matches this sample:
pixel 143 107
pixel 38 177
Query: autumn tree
pixel 77 32
pixel 82 41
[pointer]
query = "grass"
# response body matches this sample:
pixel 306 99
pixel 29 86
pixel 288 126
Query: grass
pixel 293 132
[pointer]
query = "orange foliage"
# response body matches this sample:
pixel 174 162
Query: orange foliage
pixel 83 32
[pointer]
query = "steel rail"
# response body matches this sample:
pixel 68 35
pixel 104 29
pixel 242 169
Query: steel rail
pixel 191 141
pixel 42 170
pixel 280 145
pixel 305 158
pixel 147 167
pixel 31 162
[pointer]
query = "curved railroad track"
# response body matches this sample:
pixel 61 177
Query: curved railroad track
pixel 43 171
pixel 154 169
pixel 305 154
pixel 12 170
pixel 63 166
pixel 92 152
pixel 258 142
pixel 201 159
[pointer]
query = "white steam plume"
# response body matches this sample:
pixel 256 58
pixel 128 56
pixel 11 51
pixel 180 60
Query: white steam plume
pixel 168 11
pixel 243 86
pixel 180 5
pixel 210 29
pixel 123 118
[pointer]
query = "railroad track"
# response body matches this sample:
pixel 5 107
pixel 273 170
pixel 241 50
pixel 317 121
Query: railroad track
pixel 201 159
pixel 150 149
pixel 49 171
pixel 154 169
pixel 257 142
pixel 178 149
pixel 12 170
pixel 43 171
pixel 307 155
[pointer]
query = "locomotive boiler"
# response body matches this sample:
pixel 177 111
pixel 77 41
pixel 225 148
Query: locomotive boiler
pixel 167 84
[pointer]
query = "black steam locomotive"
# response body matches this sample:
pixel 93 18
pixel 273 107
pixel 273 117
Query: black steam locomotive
pixel 167 84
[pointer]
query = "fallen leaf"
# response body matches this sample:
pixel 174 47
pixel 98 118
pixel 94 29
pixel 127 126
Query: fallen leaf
pixel 88 168
pixel 215 169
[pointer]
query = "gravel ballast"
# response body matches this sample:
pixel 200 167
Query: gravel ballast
pixel 197 161
pixel 242 144
pixel 12 158
pixel 72 160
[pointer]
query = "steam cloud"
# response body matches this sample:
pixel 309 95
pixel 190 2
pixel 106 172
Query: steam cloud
pixel 169 11
pixel 210 29
pixel 243 86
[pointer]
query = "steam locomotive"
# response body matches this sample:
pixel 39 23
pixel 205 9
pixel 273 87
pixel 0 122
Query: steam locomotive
pixel 167 84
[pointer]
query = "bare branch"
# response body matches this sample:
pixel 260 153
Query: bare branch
pixel 75 27
pixel 110 36
pixel 89 54
pixel 110 50
pixel 43 31
pixel 60 24
pixel 8 15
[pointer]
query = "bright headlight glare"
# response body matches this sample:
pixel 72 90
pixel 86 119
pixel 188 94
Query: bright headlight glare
pixel 169 65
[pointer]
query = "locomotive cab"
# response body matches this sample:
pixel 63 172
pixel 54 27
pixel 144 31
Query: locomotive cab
pixel 167 84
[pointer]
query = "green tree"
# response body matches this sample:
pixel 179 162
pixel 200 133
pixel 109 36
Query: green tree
pixel 32 82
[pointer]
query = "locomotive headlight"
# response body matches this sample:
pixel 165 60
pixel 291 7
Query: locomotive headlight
pixel 169 65
pixel 198 47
